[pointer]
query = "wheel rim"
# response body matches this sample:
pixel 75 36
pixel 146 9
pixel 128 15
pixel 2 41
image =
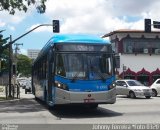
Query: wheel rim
pixel 132 95
pixel 154 94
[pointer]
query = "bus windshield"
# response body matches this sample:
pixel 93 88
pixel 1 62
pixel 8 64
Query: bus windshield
pixel 84 66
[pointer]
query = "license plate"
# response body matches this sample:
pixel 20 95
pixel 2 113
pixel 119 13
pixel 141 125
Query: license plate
pixel 89 100
pixel 147 94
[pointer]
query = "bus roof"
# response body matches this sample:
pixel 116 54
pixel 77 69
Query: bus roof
pixel 72 38
pixel 77 38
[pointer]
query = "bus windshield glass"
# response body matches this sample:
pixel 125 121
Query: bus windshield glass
pixel 84 66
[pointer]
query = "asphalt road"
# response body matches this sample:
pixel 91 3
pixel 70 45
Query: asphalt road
pixel 124 111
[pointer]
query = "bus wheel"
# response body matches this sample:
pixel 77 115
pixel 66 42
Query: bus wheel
pixel 148 97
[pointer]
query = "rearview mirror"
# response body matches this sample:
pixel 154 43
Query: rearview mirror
pixel 124 85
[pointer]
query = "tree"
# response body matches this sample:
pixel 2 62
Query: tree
pixel 24 65
pixel 4 61
pixel 4 52
pixel 3 43
pixel 22 5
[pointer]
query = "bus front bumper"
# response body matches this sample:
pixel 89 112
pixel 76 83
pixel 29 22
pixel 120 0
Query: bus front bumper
pixel 68 97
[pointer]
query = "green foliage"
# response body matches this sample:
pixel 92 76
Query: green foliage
pixel 3 43
pixel 22 5
pixel 24 65
pixel 4 52
pixel 5 61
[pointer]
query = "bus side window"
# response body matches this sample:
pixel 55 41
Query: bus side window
pixel 52 67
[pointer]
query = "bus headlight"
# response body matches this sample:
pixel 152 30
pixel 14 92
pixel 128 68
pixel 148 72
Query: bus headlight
pixel 60 85
pixel 113 85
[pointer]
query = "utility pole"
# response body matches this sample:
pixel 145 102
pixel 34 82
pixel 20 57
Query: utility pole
pixel 124 69
pixel 10 67
pixel 14 67
pixel 15 58
pixel 11 54
pixel 16 48
pixel 16 52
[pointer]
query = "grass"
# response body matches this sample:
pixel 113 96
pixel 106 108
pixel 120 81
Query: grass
pixel 2 98
pixel 8 98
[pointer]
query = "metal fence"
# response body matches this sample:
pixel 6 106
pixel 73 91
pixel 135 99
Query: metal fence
pixel 14 92
pixel 4 79
pixel 4 88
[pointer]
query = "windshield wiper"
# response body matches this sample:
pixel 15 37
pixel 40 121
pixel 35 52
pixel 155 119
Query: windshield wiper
pixel 92 69
pixel 99 73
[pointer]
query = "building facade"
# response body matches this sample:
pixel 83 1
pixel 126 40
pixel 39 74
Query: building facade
pixel 33 53
pixel 139 54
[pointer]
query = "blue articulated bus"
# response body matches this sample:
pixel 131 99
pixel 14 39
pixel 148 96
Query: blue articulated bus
pixel 75 69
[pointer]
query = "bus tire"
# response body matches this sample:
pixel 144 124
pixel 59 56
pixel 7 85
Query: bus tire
pixel 148 97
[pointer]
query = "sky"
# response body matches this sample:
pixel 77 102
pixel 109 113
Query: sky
pixel 96 17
